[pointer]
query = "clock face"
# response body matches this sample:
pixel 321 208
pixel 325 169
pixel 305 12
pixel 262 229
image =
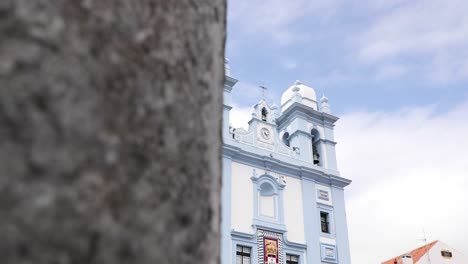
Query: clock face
pixel 265 133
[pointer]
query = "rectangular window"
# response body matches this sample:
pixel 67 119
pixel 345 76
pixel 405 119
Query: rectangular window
pixel 243 255
pixel 292 259
pixel 325 222
pixel 446 254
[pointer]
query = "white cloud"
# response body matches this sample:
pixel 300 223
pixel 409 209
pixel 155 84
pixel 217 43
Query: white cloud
pixel 373 6
pixel 334 78
pixel 409 172
pixel 391 37
pixel 429 31
pixel 391 71
pixel 289 65
pixel 417 27
pixel 273 18
pixel 247 91
pixel 240 116
pixel 245 94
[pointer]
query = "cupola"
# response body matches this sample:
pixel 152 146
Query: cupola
pixel 300 93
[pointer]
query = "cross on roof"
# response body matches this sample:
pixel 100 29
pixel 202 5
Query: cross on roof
pixel 264 88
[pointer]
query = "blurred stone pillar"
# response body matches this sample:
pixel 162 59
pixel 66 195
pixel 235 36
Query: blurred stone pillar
pixel 110 130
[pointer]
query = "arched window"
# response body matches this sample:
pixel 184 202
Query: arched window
pixel 264 114
pixel 316 155
pixel 285 139
pixel 268 201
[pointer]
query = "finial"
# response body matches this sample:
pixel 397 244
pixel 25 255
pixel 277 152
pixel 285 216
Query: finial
pixel 324 98
pixel 324 106
pixel 296 87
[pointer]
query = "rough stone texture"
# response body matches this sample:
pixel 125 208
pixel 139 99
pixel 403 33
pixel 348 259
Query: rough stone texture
pixel 110 127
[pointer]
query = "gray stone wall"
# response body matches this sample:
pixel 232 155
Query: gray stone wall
pixel 110 126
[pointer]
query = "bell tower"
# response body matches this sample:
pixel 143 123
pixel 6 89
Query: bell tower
pixel 308 126
pixel 263 124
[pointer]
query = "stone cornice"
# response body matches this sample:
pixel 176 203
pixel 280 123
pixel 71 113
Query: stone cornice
pixel 229 82
pixel 295 168
pixel 293 244
pixel 307 112
pixel 300 132
pixel 248 236
pixel 256 119
pixel 327 141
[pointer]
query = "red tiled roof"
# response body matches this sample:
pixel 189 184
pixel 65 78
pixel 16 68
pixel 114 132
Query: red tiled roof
pixel 416 254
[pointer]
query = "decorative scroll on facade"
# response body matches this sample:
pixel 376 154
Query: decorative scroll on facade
pixel 270 247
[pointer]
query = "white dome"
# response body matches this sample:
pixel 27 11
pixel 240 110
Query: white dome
pixel 307 93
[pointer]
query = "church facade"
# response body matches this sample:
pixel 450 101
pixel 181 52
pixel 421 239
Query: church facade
pixel 283 196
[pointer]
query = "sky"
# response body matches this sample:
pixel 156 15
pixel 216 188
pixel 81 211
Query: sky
pixel 396 73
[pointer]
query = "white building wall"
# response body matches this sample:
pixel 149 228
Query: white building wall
pixel 293 210
pixel 436 256
pixel 242 198
pixel 328 241
pixel 267 206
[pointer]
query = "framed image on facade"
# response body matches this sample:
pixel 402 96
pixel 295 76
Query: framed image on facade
pixel 270 247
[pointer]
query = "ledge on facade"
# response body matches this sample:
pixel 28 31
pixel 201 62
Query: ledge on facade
pixel 296 108
pixel 229 82
pixel 268 226
pixel 248 236
pixel 293 244
pixel 290 168
pixel 239 234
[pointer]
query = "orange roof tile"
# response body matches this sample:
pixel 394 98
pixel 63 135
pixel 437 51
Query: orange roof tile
pixel 416 254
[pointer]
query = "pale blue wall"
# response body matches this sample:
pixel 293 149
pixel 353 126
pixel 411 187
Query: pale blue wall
pixel 311 223
pixel 226 177
pixel 226 211
pixel 341 226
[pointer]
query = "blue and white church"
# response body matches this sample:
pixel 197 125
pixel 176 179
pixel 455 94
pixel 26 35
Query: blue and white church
pixel 282 195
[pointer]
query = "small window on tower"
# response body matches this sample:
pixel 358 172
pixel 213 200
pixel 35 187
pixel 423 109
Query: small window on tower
pixel 286 139
pixel 325 222
pixel 264 114
pixel 315 147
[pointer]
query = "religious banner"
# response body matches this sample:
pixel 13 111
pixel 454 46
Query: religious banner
pixel 270 247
